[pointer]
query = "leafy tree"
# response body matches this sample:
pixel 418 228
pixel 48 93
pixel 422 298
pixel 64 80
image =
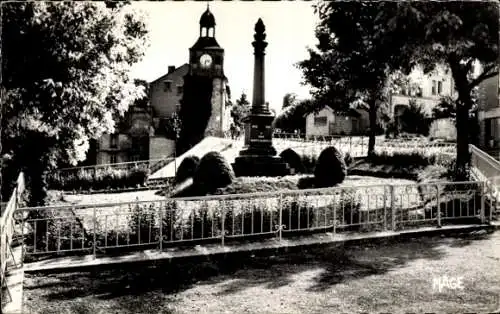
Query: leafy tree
pixel 65 80
pixel 240 110
pixel 460 35
pixel 349 63
pixel 415 120
pixel 445 109
pixel 289 100
pixel 294 117
pixel 360 43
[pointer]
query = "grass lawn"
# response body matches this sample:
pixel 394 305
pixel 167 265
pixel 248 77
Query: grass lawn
pixel 375 278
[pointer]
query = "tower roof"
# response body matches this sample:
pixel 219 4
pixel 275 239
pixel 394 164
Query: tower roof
pixel 207 19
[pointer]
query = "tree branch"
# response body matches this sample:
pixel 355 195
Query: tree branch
pixel 485 75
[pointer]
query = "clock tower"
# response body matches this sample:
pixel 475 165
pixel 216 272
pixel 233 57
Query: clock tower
pixel 206 61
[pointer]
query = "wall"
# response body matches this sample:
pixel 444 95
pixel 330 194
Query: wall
pixel 105 150
pixel 316 130
pixel 443 129
pixel 425 81
pixel 160 147
pixel 165 103
pixel 217 123
pixel 427 104
pixel 494 135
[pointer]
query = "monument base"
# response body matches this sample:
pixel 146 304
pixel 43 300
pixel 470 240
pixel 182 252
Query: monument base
pixel 260 166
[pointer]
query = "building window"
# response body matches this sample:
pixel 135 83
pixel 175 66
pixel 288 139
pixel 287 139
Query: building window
pixel 440 88
pixel 217 60
pixel 179 90
pixel 434 87
pixel 403 92
pixel 178 107
pixel 167 86
pixel 112 158
pixel 320 121
pixel 113 141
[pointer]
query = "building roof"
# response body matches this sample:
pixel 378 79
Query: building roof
pixel 350 113
pixel 207 19
pixel 206 43
pixel 180 71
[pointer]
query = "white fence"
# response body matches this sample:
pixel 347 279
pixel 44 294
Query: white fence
pixel 356 146
pixel 100 228
pixel 487 168
pixel 7 230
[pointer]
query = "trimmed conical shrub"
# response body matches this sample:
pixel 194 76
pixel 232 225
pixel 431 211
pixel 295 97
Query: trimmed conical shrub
pixel 293 160
pixel 213 172
pixel 187 168
pixel 330 168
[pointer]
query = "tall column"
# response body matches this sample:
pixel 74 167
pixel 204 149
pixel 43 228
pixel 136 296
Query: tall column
pixel 259 85
pixel 258 157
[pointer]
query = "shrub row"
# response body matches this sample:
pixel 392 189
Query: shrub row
pixel 100 179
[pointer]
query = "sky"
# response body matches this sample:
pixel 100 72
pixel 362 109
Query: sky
pixel 174 28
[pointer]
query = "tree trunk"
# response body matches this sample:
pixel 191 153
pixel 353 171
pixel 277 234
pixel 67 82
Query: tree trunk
pixel 463 106
pixel 463 156
pixel 373 127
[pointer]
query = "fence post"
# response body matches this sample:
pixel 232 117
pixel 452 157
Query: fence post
pixel 161 226
pixel 223 222
pixel 95 227
pixel 362 146
pixel 483 200
pixel 280 221
pixel 438 202
pixel 335 215
pixel 385 209
pixel 393 208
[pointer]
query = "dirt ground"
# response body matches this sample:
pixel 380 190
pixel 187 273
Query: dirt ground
pixel 376 278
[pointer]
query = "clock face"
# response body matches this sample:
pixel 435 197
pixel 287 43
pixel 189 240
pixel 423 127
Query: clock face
pixel 205 60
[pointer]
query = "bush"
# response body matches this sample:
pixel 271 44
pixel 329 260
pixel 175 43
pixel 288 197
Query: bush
pixel 213 172
pixel 187 168
pixel 293 160
pixel 309 163
pixel 443 129
pixel 297 215
pixel 243 185
pixel 330 168
pixel 100 179
pixel 433 173
pixel 348 159
pixel 142 224
pixel 402 159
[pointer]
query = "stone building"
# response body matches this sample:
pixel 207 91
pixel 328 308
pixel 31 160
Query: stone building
pixel 141 135
pixel 489 115
pixel 431 88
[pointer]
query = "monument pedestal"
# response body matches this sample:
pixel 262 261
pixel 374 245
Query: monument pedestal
pixel 258 157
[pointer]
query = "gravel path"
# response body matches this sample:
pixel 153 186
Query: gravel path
pixel 375 278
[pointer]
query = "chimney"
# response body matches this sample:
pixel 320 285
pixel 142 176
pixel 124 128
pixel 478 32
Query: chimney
pixel 171 68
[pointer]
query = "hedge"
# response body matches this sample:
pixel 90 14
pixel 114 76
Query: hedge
pixel 101 179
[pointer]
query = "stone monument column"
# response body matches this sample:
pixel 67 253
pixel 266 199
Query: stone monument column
pixel 258 157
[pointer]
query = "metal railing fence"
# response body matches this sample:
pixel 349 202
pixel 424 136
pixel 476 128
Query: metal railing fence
pixel 7 231
pixel 221 219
